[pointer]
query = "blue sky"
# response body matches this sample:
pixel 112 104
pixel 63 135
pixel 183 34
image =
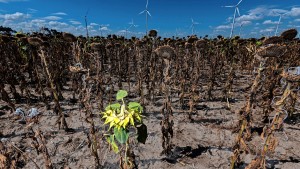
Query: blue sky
pixel 169 17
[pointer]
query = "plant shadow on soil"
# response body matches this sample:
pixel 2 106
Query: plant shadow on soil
pixel 187 151
pixel 293 119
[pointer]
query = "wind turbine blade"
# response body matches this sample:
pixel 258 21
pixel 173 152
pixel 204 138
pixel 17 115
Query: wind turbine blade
pixel 239 3
pixel 149 13
pixel 142 12
pixel 228 6
pixel 147 4
pixel 192 25
pixel 238 11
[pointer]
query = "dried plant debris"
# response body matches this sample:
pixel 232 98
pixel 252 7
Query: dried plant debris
pixel 53 80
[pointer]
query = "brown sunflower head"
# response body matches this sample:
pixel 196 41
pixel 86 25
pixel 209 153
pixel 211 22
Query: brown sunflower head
pixel 152 33
pixel 273 40
pixel 69 37
pixel 35 41
pixel 289 34
pixel 188 45
pixel 166 52
pixel 5 38
pixel 96 46
pixel 292 74
pixel 201 43
pixel 192 39
pixel 273 50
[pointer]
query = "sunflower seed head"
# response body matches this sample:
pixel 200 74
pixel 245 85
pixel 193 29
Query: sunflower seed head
pixel 273 50
pixel 69 37
pixel 289 34
pixel 35 41
pixel 273 40
pixel 165 52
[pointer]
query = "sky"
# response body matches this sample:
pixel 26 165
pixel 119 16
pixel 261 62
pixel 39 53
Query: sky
pixel 169 17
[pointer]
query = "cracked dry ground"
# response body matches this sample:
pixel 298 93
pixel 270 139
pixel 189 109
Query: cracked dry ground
pixel 205 142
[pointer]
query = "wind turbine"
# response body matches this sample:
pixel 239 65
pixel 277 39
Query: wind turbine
pixel 236 10
pixel 279 20
pixel 278 23
pixel 131 26
pixel 147 13
pixel 280 16
pixel 193 25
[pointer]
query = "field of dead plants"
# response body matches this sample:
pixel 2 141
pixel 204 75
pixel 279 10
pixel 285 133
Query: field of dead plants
pixel 194 103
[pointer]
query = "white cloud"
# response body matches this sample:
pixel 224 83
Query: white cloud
pixel 223 27
pixel 94 24
pixel 31 10
pixel 15 16
pixel 253 14
pixel 294 12
pixel 297 20
pixel 269 22
pixel 53 18
pixel 104 28
pixel 245 23
pixel 267 30
pixel 122 31
pixel 57 24
pixel 75 22
pixel 59 13
pixel 276 12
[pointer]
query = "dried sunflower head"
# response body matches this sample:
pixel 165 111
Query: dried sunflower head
pixel 152 33
pixel 188 45
pixel 273 40
pixel 69 37
pixel 165 52
pixel 96 46
pixel 192 39
pixel 201 44
pixel 289 34
pixel 35 41
pixel 292 74
pixel 273 50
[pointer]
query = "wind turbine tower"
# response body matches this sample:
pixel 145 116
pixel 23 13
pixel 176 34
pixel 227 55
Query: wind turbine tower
pixel 146 11
pixel 278 23
pixel 193 26
pixel 236 10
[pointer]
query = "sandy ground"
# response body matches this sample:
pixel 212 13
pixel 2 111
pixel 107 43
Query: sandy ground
pixel 204 143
